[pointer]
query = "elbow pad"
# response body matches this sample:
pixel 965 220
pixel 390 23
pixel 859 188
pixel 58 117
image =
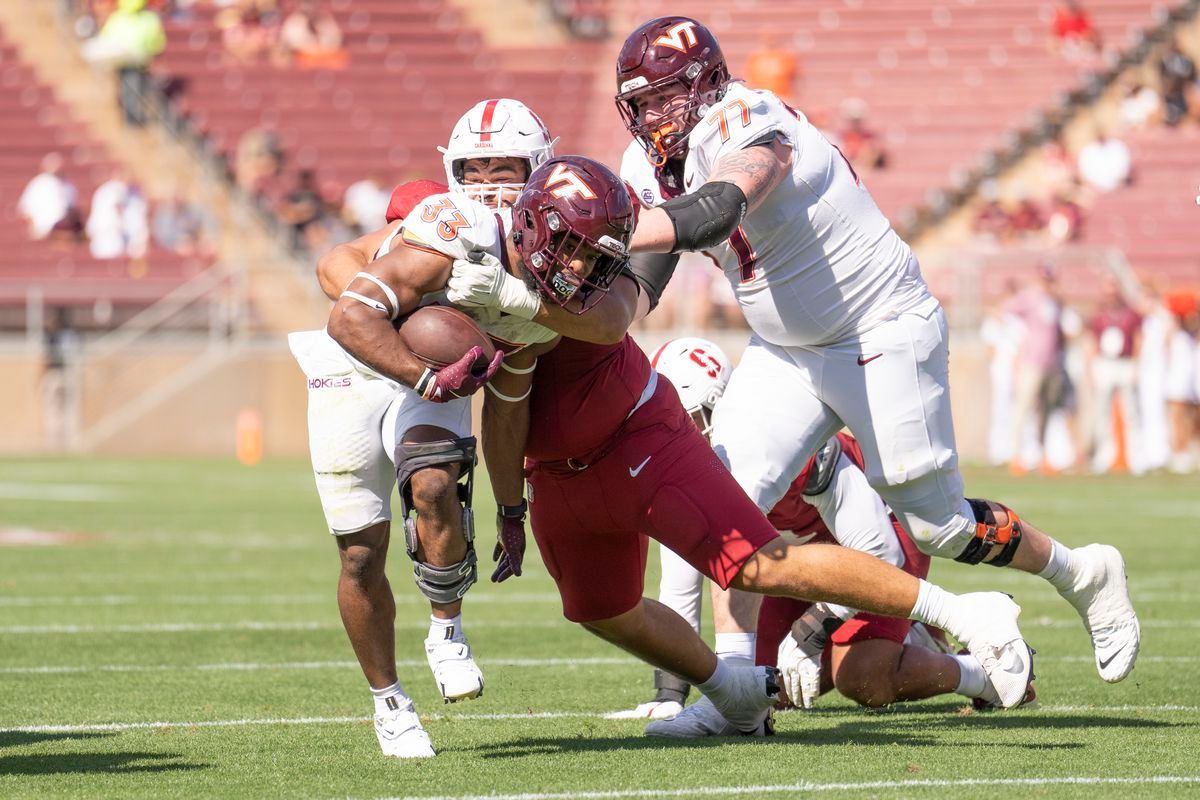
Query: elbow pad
pixel 707 217
pixel 653 271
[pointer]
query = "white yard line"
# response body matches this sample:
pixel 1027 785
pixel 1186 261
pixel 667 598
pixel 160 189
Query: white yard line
pixel 252 625
pixel 301 665
pixel 308 598
pixel 797 788
pixel 236 723
pixel 285 666
pixel 59 492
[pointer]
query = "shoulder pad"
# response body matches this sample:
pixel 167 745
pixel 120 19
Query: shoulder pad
pixel 452 225
pixel 824 465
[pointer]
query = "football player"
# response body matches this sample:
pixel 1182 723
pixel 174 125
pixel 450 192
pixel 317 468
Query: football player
pixel 870 657
pixel 613 458
pixel 367 430
pixel 846 332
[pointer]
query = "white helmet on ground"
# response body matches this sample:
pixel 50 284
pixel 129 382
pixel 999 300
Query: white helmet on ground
pixel 699 371
pixel 498 128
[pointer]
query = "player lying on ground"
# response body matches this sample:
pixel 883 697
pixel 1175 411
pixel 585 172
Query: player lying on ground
pixel 614 459
pixel 364 428
pixel 867 657
pixel 846 333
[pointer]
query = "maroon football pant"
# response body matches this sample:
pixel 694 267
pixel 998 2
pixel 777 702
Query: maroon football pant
pixel 660 481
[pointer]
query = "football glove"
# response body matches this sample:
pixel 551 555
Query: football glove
pixel 800 654
pixel 487 284
pixel 509 552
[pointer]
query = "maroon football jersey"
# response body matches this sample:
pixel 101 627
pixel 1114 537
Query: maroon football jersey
pixel 582 395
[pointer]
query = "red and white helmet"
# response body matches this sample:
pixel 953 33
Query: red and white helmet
pixel 699 370
pixel 498 128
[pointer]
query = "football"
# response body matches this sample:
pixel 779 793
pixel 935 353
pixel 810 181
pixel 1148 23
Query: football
pixel 441 335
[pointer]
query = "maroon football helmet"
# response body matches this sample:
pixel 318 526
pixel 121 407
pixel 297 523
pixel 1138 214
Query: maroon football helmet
pixel 573 208
pixel 669 57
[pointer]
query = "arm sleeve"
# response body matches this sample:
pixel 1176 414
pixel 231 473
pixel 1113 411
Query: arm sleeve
pixel 856 515
pixel 653 271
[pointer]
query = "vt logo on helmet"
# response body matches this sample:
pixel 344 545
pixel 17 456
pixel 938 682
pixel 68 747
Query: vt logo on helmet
pixel 571 226
pixel 669 71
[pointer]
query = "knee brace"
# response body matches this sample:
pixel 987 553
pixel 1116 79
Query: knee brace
pixel 824 465
pixel 439 584
pixel 990 537
pixel 667 687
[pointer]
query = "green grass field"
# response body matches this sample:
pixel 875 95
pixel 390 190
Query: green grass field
pixel 183 641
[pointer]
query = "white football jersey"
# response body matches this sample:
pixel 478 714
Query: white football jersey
pixel 458 227
pixel 817 261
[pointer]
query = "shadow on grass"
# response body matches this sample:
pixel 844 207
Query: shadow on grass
pixel 18 738
pixel 877 729
pixel 113 763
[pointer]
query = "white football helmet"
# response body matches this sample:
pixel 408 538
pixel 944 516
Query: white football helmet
pixel 498 128
pixel 699 371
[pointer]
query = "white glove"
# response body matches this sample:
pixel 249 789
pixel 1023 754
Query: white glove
pixel 489 285
pixel 654 709
pixel 800 651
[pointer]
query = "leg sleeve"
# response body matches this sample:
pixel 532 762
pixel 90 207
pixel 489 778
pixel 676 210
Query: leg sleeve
pixel 681 587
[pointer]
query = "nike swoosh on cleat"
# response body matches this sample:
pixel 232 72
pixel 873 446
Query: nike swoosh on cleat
pixel 635 471
pixel 1105 662
pixel 863 361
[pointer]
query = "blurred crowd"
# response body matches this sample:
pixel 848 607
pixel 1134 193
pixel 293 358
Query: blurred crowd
pixel 1116 388
pixel 118 222
pixel 1069 183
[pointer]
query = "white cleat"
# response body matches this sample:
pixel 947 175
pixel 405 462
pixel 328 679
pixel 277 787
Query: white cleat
pixel 654 709
pixel 990 632
pixel 454 671
pixel 1101 597
pixel 752 696
pixel 401 735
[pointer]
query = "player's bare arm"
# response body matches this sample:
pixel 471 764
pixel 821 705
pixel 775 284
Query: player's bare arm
pixel 338 267
pixel 707 217
pixel 504 429
pixel 391 286
pixel 605 323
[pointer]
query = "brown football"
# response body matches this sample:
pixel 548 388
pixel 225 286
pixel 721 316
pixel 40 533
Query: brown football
pixel 441 335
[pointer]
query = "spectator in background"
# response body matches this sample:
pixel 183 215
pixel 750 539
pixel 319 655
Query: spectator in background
pixel 1181 379
pixel 1179 102
pixel 182 227
pixel 585 19
pixel 117 225
pixel 130 39
pixel 774 68
pixel 1064 219
pixel 1105 163
pixel 259 157
pixel 249 32
pixel 857 142
pixel 312 37
pixel 304 209
pixel 1158 325
pixel 1041 383
pixel 1057 169
pixel 1002 332
pixel 60 345
pixel 1176 64
pixel 1026 218
pixel 1073 34
pixel 1116 341
pixel 1139 108
pixel 364 205
pixel 48 203
pixel 991 221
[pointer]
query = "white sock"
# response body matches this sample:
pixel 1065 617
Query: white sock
pixel 933 606
pixel 717 683
pixel 390 698
pixel 971 677
pixel 736 648
pixel 445 629
pixel 1058 569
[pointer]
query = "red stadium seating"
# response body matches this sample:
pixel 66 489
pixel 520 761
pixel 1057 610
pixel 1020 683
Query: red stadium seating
pixel 33 123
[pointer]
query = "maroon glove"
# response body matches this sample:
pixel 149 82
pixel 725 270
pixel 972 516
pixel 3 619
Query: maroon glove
pixel 461 379
pixel 510 544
